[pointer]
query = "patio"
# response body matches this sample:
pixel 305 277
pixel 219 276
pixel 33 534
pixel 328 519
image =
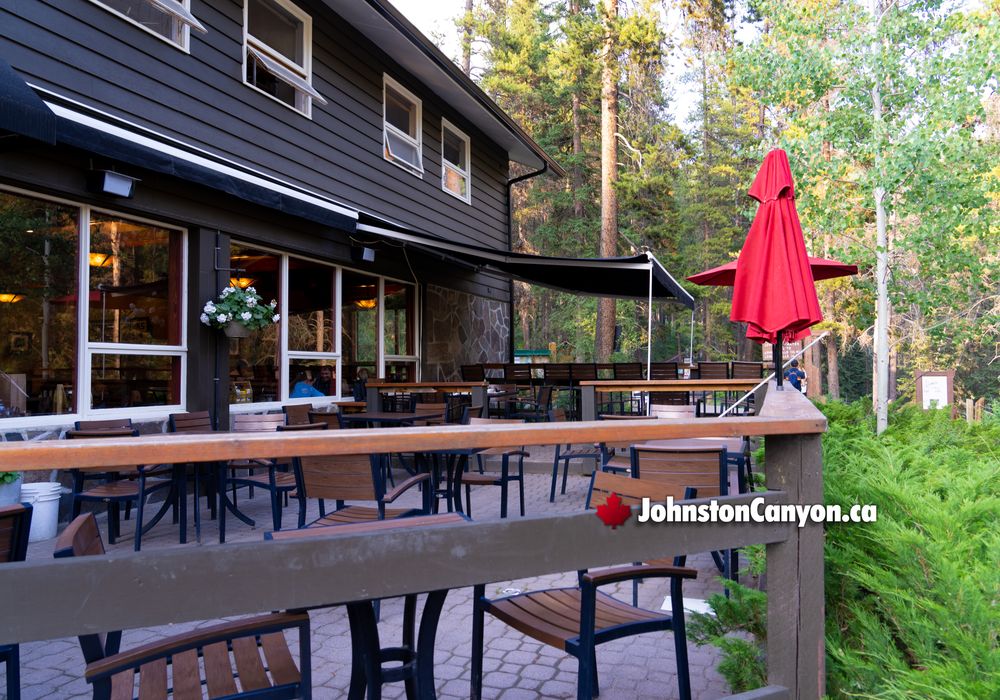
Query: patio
pixel 514 665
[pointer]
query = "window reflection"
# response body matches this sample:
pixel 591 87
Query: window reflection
pixel 359 327
pixel 399 309
pixel 38 306
pixel 311 313
pixel 121 381
pixel 253 363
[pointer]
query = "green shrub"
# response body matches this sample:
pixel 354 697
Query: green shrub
pixel 913 600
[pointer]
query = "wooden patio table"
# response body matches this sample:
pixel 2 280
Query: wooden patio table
pixel 375 388
pixel 416 655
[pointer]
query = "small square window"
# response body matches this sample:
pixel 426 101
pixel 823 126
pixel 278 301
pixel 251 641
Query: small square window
pixel 277 51
pixel 456 173
pixel 169 19
pixel 401 133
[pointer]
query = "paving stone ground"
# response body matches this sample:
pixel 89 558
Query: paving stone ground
pixel 515 667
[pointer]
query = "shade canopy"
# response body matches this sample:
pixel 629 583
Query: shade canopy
pixel 22 110
pixel 725 275
pixel 774 291
pixel 635 277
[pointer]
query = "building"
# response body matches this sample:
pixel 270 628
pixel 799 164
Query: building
pixel 154 151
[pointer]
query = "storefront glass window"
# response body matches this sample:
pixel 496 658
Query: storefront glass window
pixel 254 367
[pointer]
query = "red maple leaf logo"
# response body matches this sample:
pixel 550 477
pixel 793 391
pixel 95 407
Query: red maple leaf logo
pixel 614 513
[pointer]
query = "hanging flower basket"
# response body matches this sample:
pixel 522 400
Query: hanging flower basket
pixel 235 329
pixel 239 311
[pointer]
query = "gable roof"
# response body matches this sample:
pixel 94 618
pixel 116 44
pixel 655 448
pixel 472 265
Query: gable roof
pixel 383 24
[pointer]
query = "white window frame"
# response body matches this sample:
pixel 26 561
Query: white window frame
pixel 85 349
pixel 385 358
pixel 179 10
pixel 387 128
pixel 298 77
pixel 447 165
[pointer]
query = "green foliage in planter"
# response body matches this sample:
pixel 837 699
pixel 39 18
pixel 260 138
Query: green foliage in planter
pixel 913 600
pixel 739 629
pixel 9 477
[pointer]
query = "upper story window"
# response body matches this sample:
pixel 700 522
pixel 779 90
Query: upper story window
pixel 278 53
pixel 169 19
pixel 401 132
pixel 456 173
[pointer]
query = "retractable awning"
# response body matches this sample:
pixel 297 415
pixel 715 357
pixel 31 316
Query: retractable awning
pixel 77 125
pixel 22 111
pixel 636 277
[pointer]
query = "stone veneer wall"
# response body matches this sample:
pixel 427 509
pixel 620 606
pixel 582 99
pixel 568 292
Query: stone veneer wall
pixel 461 329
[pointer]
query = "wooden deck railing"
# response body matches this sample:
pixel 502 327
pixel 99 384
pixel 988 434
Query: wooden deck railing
pixel 51 599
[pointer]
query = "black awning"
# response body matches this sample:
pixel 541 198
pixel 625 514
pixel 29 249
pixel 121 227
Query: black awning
pixel 22 111
pixel 625 278
pixel 123 142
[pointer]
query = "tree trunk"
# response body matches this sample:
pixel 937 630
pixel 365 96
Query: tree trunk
pixel 604 345
pixel 882 310
pixel 467 39
pixel 832 367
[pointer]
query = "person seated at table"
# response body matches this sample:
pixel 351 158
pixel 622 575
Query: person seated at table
pixel 303 387
pixel 325 383
pixel 794 376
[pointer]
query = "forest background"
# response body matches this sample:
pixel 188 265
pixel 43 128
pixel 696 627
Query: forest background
pixel 889 112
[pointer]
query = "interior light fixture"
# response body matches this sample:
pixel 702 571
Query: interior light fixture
pixel 101 259
pixel 10 298
pixel 241 282
pixel 365 303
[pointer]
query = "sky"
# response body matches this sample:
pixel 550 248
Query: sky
pixel 436 19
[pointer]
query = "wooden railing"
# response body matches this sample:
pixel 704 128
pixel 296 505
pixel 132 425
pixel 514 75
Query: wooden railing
pixel 590 390
pixel 376 388
pixel 51 599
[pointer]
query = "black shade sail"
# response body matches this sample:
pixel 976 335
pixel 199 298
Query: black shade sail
pixel 22 111
pixel 636 277
pixel 124 142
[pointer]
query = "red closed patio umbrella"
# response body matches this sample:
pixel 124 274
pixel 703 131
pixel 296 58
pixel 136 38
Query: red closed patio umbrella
pixel 725 275
pixel 774 286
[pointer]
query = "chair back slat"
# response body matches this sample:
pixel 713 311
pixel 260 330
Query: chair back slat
pixel 193 422
pixel 332 420
pixel 663 370
pixel 713 370
pixel 556 373
pixel 517 374
pixel 102 433
pixel 672 411
pixel 15 523
pixel 630 490
pixel 748 370
pixel 257 423
pixel 493 421
pixel 473 373
pixel 557 415
pixel 628 370
pixel 436 413
pixel 583 372
pixel 704 470
pixel 80 538
pixel 340 477
pixel 108 424
pixel 297 413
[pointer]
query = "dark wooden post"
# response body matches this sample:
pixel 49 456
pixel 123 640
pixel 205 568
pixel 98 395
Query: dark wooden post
pixel 795 604
pixel 374 399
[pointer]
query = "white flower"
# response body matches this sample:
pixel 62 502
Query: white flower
pixel 229 317
pixel 221 318
pixel 205 319
pixel 209 308
pixel 251 290
pixel 273 303
pixel 246 315
pixel 251 302
pixel 276 318
pixel 227 291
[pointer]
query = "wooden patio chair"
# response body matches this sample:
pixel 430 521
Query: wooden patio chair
pixel 518 374
pixel 473 373
pixel 502 479
pixel 712 370
pixel 197 422
pixel 297 413
pixel 248 658
pixel 666 370
pixel 536 409
pixel 625 401
pixel 566 455
pixel 15 524
pixel 131 487
pixel 577 619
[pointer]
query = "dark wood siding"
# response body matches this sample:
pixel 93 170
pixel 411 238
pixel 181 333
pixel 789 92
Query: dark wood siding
pixel 80 50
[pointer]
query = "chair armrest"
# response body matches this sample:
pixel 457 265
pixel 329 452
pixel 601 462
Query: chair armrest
pixel 134 658
pixel 403 487
pixel 627 573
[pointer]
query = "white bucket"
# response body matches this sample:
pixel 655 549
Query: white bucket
pixel 44 498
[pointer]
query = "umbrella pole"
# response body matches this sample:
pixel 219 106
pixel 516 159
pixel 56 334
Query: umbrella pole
pixel 776 358
pixel 649 326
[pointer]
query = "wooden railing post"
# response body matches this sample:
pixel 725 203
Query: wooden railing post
pixel 795 609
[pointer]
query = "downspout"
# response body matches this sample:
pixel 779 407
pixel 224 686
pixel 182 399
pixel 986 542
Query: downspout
pixel 510 248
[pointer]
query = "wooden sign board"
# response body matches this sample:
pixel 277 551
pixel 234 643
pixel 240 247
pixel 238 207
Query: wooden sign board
pixel 935 389
pixel 788 350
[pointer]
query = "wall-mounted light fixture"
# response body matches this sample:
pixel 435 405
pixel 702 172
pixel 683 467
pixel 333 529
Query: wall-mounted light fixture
pixel 101 259
pixel 361 254
pixel 365 303
pixel 112 183
pixel 10 298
